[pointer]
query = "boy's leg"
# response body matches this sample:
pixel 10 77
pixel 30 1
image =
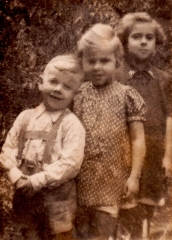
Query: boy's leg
pixel 60 213
pixel 30 233
pixel 23 218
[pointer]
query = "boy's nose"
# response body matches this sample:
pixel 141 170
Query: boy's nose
pixel 58 88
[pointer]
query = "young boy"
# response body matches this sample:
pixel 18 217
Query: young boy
pixel 43 153
pixel 140 34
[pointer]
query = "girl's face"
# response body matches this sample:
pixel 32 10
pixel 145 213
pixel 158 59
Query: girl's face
pixel 142 40
pixel 99 66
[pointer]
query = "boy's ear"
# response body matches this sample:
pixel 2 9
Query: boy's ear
pixel 40 83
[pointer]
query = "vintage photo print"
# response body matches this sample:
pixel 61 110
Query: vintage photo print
pixel 86 120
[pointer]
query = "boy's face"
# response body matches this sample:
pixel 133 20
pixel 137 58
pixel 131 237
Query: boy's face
pixel 99 66
pixel 142 41
pixel 58 89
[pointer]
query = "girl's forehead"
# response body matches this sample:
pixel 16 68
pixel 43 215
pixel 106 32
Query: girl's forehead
pixel 146 27
pixel 95 52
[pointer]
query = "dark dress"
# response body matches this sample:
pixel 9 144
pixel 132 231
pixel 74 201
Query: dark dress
pixel 154 86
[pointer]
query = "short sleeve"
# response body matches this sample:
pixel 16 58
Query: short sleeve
pixel 135 106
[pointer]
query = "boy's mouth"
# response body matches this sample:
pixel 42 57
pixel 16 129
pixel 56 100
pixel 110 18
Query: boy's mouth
pixel 56 97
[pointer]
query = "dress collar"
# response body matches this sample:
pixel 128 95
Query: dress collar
pixel 132 66
pixel 104 92
pixel 132 72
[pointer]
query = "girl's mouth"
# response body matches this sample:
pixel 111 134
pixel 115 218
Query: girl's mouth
pixel 143 50
pixel 98 75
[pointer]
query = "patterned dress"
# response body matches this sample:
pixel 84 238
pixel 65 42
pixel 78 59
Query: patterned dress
pixel 105 114
pixel 154 86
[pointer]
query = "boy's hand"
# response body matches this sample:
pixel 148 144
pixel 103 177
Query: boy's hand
pixel 24 184
pixel 131 187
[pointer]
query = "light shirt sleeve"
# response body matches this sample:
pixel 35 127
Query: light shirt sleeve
pixel 8 157
pixel 67 165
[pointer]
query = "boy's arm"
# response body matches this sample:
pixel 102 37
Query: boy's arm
pixel 69 163
pixel 167 160
pixel 8 157
pixel 138 150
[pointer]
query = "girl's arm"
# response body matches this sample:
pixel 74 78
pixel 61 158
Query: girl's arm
pixel 167 160
pixel 138 150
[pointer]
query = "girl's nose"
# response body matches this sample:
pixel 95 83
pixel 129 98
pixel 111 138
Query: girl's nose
pixel 143 41
pixel 97 65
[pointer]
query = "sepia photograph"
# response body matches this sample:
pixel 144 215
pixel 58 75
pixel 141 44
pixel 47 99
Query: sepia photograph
pixel 86 120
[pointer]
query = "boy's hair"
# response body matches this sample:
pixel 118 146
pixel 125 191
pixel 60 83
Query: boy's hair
pixel 101 36
pixel 68 64
pixel 126 23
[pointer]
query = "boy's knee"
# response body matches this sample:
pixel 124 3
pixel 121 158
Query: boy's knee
pixel 61 215
pixel 62 222
pixel 61 227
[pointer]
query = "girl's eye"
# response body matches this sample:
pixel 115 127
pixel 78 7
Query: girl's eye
pixel 91 61
pixel 150 37
pixel 136 36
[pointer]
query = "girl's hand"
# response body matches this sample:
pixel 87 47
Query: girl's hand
pixel 131 187
pixel 167 164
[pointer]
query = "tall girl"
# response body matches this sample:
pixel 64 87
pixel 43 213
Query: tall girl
pixel 140 35
pixel 113 117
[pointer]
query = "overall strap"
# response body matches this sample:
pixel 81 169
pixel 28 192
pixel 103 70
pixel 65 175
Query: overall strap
pixel 46 158
pixel 25 122
pixel 49 137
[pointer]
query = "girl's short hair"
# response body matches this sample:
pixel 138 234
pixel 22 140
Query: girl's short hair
pixel 101 36
pixel 126 23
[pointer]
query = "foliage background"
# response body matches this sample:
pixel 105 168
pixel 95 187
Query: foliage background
pixel 34 31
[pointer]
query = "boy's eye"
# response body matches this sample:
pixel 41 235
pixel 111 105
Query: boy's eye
pixel 105 60
pixel 53 81
pixel 67 87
